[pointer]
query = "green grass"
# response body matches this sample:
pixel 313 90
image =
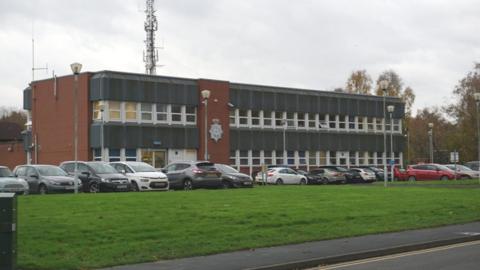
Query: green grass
pixel 98 230
pixel 469 182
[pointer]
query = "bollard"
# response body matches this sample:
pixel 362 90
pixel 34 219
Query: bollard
pixel 8 231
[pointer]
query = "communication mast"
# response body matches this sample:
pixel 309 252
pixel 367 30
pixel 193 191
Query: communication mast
pixel 150 55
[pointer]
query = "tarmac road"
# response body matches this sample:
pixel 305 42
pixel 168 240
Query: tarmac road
pixel 463 256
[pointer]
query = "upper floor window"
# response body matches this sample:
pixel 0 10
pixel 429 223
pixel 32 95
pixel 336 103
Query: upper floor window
pixel 146 111
pixel 190 114
pixel 312 121
pixel 176 113
pixel 301 119
pixel 322 121
pixel 279 119
pixel 342 120
pixel 351 122
pixel 255 118
pixel 243 117
pixel 114 111
pixel 267 119
pixel 130 111
pixel 97 113
pixel 233 119
pixel 379 124
pixel 162 112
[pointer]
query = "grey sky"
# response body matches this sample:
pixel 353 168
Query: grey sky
pixel 311 44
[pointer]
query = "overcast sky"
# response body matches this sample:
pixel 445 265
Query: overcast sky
pixel 312 44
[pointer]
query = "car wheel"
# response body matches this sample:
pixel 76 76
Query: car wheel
pixel 93 188
pixel 465 177
pixel 279 182
pixel 135 186
pixel 187 185
pixel 26 192
pixel 325 181
pixel 412 178
pixel 303 182
pixel 444 177
pixel 225 185
pixel 42 189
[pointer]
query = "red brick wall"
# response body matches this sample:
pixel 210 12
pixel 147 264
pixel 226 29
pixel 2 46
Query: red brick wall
pixel 12 154
pixel 219 152
pixel 52 119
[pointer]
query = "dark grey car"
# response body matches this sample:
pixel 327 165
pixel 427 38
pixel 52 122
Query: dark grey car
pixel 188 175
pixel 43 179
pixel 233 178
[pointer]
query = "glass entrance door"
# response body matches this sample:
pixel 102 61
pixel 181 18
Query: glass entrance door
pixel 156 158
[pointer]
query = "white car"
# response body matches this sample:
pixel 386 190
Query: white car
pixel 367 175
pixel 142 176
pixel 280 176
pixel 10 183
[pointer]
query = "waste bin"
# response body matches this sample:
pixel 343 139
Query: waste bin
pixel 8 231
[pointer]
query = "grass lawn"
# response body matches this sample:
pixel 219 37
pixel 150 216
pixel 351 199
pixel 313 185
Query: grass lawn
pixel 467 182
pixel 98 230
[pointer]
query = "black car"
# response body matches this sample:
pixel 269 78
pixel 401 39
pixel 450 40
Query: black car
pixel 97 176
pixel 312 179
pixel 233 178
pixel 350 176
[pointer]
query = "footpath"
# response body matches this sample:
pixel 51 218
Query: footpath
pixel 312 254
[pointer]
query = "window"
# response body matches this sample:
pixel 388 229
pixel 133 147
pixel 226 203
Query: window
pixel 267 157
pixel 190 114
pixel 370 126
pixel 131 154
pixel 114 110
pixel 312 121
pixel 291 157
pixel 290 119
pixel 244 158
pixel 371 158
pixel 279 158
pixel 255 157
pixel 176 113
pixel 322 121
pixel 233 158
pixel 352 158
pixel 162 113
pixel 279 119
pixel 302 159
pixel 379 158
pixel 301 119
pixel 312 158
pixel 243 117
pixel 146 112
pixel 97 154
pixel 255 118
pixel 351 122
pixel 342 119
pixel 333 121
pixel 360 123
pixel 322 158
pixel 267 119
pixel 362 158
pixel 233 119
pixel 396 125
pixel 379 124
pixel 130 111
pixel 114 155
pixel 97 113
pixel 333 158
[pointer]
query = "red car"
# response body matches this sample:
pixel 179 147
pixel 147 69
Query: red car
pixel 429 172
pixel 400 174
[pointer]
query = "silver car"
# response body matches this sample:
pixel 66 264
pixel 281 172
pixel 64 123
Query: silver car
pixel 43 179
pixel 10 183
pixel 463 172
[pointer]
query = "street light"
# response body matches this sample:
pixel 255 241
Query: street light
pixel 205 96
pixel 390 109
pixel 430 135
pixel 76 68
pixel 477 101
pixel 384 85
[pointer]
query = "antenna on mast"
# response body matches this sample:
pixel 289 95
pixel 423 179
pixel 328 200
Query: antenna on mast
pixel 33 59
pixel 150 55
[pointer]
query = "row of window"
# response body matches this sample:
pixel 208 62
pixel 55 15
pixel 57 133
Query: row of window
pixel 292 120
pixel 255 158
pixel 123 111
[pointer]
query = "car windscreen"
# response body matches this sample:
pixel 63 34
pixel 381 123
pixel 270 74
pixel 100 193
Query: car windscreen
pixel 341 169
pixel 102 168
pixel 51 171
pixel 142 167
pixel 5 172
pixel 443 168
pixel 460 167
pixel 225 168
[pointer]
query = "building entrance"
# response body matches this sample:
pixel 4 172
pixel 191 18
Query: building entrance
pixel 156 158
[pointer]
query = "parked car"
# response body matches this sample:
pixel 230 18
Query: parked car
pixel 280 176
pixel 10 183
pixel 312 179
pixel 43 179
pixel 400 174
pixel 474 165
pixel 233 178
pixel 429 172
pixel 378 172
pixel 350 176
pixel 367 175
pixel 329 176
pixel 97 176
pixel 463 172
pixel 142 176
pixel 188 175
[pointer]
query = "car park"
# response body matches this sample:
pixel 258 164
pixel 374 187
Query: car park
pixel 10 183
pixel 329 176
pixel 463 172
pixel 281 175
pixel 188 175
pixel 232 178
pixel 142 176
pixel 97 176
pixel 43 179
pixel 429 172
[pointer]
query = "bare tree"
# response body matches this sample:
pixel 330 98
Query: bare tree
pixel 359 82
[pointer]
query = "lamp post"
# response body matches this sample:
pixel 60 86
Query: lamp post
pixel 102 136
pixel 205 96
pixel 76 68
pixel 430 135
pixel 477 101
pixel 390 110
pixel 384 85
